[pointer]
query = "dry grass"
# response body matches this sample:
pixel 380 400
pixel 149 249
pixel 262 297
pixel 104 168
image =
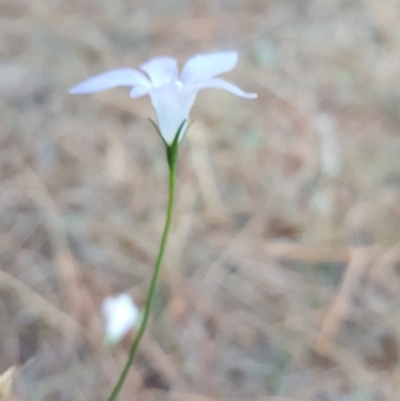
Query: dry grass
pixel 281 280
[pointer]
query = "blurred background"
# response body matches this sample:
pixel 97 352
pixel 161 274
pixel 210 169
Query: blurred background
pixel 282 275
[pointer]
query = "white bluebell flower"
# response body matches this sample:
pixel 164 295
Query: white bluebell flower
pixel 121 315
pixel 172 94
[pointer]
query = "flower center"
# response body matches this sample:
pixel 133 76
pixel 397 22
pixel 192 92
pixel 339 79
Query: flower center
pixel 178 83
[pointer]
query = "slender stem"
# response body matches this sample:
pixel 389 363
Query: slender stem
pixel 172 174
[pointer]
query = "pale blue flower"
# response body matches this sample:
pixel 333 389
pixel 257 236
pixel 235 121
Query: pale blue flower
pixel 121 315
pixel 172 94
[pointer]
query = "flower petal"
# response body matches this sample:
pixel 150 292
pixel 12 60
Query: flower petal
pixel 222 84
pixel 161 70
pixel 139 91
pixel 172 104
pixel 208 65
pixel 111 79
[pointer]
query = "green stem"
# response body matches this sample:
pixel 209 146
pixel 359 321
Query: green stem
pixel 172 156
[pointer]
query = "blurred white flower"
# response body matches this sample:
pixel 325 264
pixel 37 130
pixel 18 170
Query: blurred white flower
pixel 172 94
pixel 121 315
pixel 331 152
